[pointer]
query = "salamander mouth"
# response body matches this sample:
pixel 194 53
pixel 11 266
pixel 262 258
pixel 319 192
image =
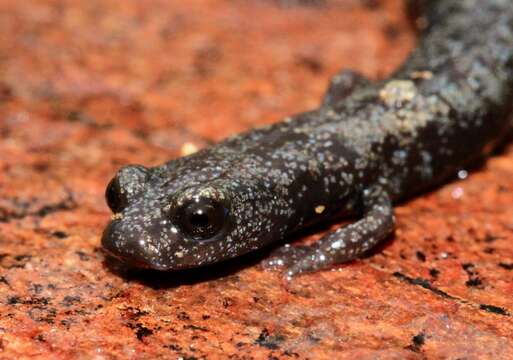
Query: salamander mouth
pixel 131 262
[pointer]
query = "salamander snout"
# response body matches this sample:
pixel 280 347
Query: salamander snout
pixel 136 224
pixel 129 249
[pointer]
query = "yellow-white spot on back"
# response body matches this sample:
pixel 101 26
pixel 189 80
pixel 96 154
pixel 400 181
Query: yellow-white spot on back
pixel 398 91
pixel 320 209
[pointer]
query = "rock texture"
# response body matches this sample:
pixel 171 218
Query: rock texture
pixel 87 86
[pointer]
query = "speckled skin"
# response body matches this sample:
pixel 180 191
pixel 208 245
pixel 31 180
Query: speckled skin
pixel 367 146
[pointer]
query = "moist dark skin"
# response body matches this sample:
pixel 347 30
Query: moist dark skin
pixel 369 145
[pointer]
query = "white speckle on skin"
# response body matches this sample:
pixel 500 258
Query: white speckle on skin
pixel 338 244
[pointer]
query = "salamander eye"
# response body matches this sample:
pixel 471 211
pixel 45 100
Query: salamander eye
pixel 202 219
pixel 116 200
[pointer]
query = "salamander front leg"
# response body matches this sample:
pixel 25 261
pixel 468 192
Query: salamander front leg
pixel 343 244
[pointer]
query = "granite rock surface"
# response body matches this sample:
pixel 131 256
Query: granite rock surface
pixel 88 86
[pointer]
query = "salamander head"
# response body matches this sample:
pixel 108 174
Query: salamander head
pixel 187 218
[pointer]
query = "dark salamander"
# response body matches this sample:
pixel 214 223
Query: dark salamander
pixel 369 145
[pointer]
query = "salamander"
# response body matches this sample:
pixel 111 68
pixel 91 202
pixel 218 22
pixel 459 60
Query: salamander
pixel 367 146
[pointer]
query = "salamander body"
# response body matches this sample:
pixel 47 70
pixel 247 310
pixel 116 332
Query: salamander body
pixel 368 145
